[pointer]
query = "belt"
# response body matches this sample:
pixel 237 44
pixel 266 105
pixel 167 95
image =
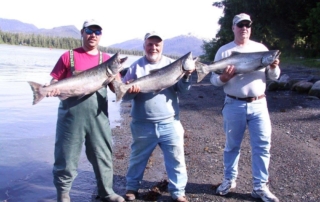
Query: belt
pixel 247 99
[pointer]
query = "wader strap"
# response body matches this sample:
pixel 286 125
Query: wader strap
pixel 71 61
pixel 100 57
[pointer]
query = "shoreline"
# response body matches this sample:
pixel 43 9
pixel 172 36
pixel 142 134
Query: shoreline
pixel 294 167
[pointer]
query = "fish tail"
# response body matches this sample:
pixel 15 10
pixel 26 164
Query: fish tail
pixel 201 71
pixel 36 89
pixel 118 89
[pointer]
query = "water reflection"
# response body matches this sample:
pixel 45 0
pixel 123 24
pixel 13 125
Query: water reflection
pixel 27 131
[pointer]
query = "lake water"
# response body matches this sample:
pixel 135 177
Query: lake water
pixel 27 131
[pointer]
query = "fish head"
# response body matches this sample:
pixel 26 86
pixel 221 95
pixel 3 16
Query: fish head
pixel 116 63
pixel 188 63
pixel 269 57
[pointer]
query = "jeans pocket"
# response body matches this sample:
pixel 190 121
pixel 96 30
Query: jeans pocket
pixel 226 102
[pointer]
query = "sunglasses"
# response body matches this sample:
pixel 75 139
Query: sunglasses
pixel 96 32
pixel 241 25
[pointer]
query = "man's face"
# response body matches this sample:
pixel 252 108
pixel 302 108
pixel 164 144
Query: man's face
pixel 91 36
pixel 242 30
pixel 153 49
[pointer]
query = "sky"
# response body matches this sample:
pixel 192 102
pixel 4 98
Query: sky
pixel 121 20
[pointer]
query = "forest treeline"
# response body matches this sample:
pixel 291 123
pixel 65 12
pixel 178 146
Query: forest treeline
pixel 293 27
pixel 53 42
pixel 57 42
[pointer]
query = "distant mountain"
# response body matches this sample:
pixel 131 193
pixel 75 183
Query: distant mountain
pixel 16 26
pixel 183 44
pixel 63 31
pixel 178 45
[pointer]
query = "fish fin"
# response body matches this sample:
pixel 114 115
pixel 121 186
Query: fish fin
pixel 63 97
pixel 158 91
pixel 105 83
pixel 118 89
pixel 122 60
pixel 80 96
pixel 201 71
pixel 75 72
pixel 36 89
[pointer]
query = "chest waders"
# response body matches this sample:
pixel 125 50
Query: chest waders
pixel 85 121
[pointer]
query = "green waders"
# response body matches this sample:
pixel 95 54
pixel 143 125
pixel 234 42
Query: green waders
pixel 81 121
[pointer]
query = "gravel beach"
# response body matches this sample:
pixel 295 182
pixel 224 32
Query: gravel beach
pixel 295 152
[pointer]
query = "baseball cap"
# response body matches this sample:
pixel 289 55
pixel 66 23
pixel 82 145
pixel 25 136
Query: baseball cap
pixel 241 17
pixel 91 22
pixel 151 34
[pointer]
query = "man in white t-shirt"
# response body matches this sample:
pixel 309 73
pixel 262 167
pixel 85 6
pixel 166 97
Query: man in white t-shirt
pixel 245 105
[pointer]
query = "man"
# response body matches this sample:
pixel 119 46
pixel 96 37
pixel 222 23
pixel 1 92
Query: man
pixel 245 104
pixel 155 121
pixel 83 120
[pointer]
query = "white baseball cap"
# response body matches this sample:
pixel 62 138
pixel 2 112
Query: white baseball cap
pixel 152 34
pixel 241 17
pixel 91 22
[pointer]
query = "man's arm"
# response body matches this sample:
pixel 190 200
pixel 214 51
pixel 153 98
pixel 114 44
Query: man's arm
pixel 220 80
pixel 273 70
pixel 54 92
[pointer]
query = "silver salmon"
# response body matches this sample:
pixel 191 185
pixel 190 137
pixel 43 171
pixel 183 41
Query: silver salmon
pixel 83 83
pixel 243 63
pixel 159 79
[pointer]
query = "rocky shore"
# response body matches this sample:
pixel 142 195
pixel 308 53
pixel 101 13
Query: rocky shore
pixel 295 152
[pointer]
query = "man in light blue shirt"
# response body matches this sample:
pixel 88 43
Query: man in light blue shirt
pixel 155 121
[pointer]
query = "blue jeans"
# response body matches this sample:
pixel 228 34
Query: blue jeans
pixel 169 135
pixel 236 116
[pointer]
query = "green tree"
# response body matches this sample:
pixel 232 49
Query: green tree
pixel 279 24
pixel 312 24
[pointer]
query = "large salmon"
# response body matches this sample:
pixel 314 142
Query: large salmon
pixel 243 63
pixel 159 79
pixel 84 83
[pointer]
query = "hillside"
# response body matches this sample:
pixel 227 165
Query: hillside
pixel 178 45
pixel 16 26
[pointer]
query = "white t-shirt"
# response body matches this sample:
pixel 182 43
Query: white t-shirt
pixel 251 84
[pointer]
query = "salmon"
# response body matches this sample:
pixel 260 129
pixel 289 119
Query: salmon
pixel 243 63
pixel 83 83
pixel 159 79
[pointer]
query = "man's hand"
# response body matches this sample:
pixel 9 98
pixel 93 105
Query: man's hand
pixel 134 88
pixel 228 73
pixel 189 72
pixel 54 92
pixel 275 64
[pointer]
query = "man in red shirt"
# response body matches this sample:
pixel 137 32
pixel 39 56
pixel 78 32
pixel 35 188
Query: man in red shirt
pixel 83 120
